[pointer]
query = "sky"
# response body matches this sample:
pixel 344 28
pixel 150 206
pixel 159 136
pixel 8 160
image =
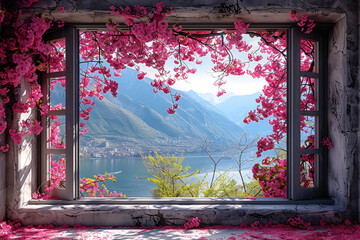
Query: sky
pixel 202 81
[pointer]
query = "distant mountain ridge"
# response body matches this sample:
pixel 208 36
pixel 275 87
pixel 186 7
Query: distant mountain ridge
pixel 138 112
pixel 236 108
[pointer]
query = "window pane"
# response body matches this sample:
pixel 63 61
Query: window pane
pixel 308 93
pixel 308 56
pixel 308 138
pixel 307 170
pixel 57 170
pixel 57 93
pixel 57 58
pixel 56 131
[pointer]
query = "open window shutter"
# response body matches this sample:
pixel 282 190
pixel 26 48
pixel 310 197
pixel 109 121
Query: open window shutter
pixel 307 61
pixel 66 150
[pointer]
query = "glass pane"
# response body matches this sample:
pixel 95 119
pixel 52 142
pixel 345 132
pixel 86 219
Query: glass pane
pixel 307 170
pixel 308 138
pixel 56 131
pixel 308 94
pixel 308 56
pixel 57 58
pixel 57 170
pixel 57 93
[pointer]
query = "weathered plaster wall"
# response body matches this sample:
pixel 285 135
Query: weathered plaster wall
pixel 21 164
pixel 343 121
pixel 210 11
pixel 343 112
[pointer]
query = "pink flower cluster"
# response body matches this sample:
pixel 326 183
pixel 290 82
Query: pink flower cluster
pixel 346 230
pixel 92 187
pixel 298 223
pixel 327 143
pixel 307 25
pixel 272 177
pixel 6 228
pixel 20 45
pixel 192 223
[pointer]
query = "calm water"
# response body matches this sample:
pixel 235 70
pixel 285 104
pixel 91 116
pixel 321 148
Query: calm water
pixel 130 172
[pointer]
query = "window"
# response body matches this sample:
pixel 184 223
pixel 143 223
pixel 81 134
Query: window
pixel 63 112
pixel 306 125
pixel 312 78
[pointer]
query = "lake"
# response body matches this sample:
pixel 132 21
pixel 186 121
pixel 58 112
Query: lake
pixel 130 172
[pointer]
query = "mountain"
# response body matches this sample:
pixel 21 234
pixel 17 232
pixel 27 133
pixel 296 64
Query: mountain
pixel 211 98
pixel 204 99
pixel 108 119
pixel 138 112
pixel 237 108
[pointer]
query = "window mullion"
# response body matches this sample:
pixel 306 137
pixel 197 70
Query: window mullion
pixel 293 120
pixel 72 114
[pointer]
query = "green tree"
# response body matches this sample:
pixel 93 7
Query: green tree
pixel 171 177
pixel 175 180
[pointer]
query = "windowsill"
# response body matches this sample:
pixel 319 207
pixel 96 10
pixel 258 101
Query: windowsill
pixel 156 212
pixel 183 201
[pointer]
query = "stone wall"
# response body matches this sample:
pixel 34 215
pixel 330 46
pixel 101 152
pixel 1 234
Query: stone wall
pixel 343 109
pixel 21 164
pixel 210 11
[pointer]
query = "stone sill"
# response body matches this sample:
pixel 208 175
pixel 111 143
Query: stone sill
pixel 156 212
pixel 244 204
pixel 183 201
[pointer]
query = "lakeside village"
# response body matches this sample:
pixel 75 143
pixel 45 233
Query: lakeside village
pixel 121 147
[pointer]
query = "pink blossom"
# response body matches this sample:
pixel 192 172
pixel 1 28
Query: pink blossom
pixel 85 130
pixel 2 111
pixel 3 125
pixel 170 110
pixel 192 223
pixel 220 93
pixel 36 128
pixel 241 27
pixel 141 75
pixel 4 148
pixel 44 109
pixel 6 100
pixel 3 91
pixel 20 107
pixel 61 9
pixel 177 97
pixel 171 81
pixel 326 142
pixel 60 23
pixel 166 90
pixel 17 137
pixel 293 15
pixel 251 198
